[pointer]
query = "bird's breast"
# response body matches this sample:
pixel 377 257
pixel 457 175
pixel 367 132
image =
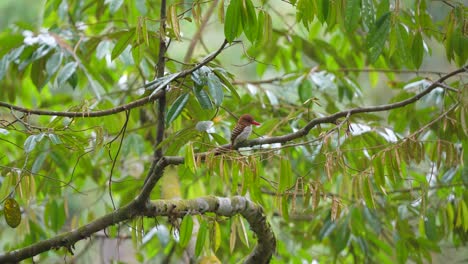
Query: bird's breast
pixel 244 134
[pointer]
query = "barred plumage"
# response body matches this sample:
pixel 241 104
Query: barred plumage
pixel 242 129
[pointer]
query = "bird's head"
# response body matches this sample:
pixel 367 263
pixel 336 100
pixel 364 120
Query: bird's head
pixel 247 120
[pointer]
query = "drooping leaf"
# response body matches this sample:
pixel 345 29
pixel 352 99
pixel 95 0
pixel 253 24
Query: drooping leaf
pixel 53 63
pixel 249 20
pixel 368 13
pixel 216 88
pixel 12 212
pixel 203 98
pixel 352 14
pixel 201 238
pixel 66 72
pixel 114 5
pixel 174 21
pixel 185 230
pixel 38 73
pixel 417 50
pixel 233 24
pixel 30 143
pixel 54 215
pixel 176 108
pixel 221 75
pixel 124 40
pixel 215 236
pixel 378 36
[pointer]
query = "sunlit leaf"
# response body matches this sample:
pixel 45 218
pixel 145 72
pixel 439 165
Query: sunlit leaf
pixel 185 230
pixel 124 40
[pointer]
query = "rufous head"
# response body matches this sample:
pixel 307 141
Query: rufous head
pixel 248 120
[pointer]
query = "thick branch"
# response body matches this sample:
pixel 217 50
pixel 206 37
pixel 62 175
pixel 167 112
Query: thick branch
pixel 325 120
pixel 252 212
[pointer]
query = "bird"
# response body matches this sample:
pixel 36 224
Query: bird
pixel 242 129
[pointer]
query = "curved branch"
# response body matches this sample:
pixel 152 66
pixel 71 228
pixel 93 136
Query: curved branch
pixel 325 120
pixel 137 103
pixel 252 212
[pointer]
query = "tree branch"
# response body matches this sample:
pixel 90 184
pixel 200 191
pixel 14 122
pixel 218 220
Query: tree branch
pixel 252 212
pixel 324 120
pixel 122 108
pixel 160 66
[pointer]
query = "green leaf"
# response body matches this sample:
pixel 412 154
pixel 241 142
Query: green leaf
pixel 249 20
pixel 221 11
pixel 54 138
pixel 30 143
pixel 201 237
pixel 342 236
pixel 285 207
pixel 114 5
pixel 215 88
pixel 141 7
pixel 185 231
pixel 367 192
pixel 221 75
pixel 38 162
pixel 378 36
pixel 233 25
pixel 189 158
pixel 379 176
pixel 66 72
pixel 38 73
pixel 368 13
pixel 305 90
pixel 260 27
pixel 430 227
pixel 53 63
pixel 403 45
pixel 352 14
pixel 285 181
pixel 203 98
pixel 176 108
pixel 54 215
pixel 215 236
pixel 417 50
pixel 124 40
pixel 4 63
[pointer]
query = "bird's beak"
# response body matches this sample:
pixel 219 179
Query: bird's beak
pixel 255 123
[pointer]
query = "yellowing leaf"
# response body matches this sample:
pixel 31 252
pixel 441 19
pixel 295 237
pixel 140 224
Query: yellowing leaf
pixel 12 212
